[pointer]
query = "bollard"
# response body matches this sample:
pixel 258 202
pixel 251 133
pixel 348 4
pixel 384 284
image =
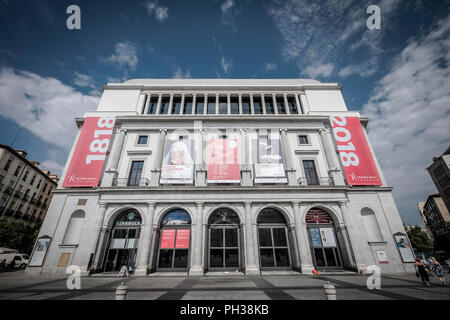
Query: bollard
pixel 121 291
pixel 330 291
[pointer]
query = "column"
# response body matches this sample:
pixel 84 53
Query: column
pixel 250 261
pixel 263 104
pixel 275 106
pixel 301 233
pixel 147 102
pixel 95 244
pixel 240 104
pixel 194 98
pixel 114 157
pixel 200 172
pixel 299 106
pixel 205 104
pixel 182 103
pixel 353 247
pixel 244 159
pixel 288 158
pixel 158 106
pixel 330 155
pixel 286 104
pixel 228 104
pixel 252 106
pixel 145 241
pixel 157 160
pixel 197 242
pixel 217 103
pixel 170 104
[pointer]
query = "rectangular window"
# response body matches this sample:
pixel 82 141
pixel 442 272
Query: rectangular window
pixel 152 105
pixel 187 108
pixel 303 139
pixel 280 105
pixel 246 109
pixel 32 180
pixel 269 104
pixel 25 176
pixel 310 172
pixel 223 105
pixel 135 173
pixel 39 184
pixel 292 105
pixel 16 173
pixel 176 105
pixel 257 105
pixel 2 202
pixel 7 164
pixel 142 139
pixel 212 105
pixel 234 105
pixel 165 105
pixel 199 104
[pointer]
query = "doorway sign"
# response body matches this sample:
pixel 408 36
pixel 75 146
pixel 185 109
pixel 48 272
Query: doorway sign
pixel 168 239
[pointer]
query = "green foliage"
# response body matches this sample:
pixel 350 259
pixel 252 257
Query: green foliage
pixel 443 241
pixel 17 235
pixel 420 240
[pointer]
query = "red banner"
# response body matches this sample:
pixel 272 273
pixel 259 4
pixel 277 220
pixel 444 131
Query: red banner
pixel 182 239
pixel 90 152
pixel 223 164
pixel 355 153
pixel 167 239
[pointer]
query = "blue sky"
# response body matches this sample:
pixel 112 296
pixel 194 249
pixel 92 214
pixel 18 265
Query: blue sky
pixel 398 76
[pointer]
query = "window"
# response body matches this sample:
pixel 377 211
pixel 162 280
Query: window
pixel 153 104
pixel 39 184
pixel 135 173
pixel 246 105
pixel 257 105
pixel 269 104
pixel 142 139
pixel 1 178
pixel 176 105
pixel 211 105
pixel 25 176
pixel 223 105
pixel 7 164
pixel 45 187
pixel 2 202
pixel 165 105
pixel 32 180
pixel 280 105
pixel 187 108
pixel 199 104
pixel 292 105
pixel 16 173
pixel 310 172
pixel 303 139
pixel 234 105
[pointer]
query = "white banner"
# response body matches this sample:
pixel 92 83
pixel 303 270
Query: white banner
pixel 327 236
pixel 268 161
pixel 178 162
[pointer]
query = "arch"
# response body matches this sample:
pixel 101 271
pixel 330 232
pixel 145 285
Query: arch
pixel 212 210
pixel 318 215
pixel 160 215
pixel 176 216
pixel 74 228
pixel 224 216
pixel 337 220
pixel 130 217
pixel 111 217
pixel 271 215
pixel 286 215
pixel 371 226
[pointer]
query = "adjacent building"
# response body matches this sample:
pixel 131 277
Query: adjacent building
pixel 435 214
pixel 237 175
pixel 440 173
pixel 25 190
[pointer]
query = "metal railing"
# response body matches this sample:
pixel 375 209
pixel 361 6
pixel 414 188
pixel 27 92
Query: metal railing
pixel 315 181
pixel 125 182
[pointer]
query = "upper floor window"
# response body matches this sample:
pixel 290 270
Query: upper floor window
pixel 7 165
pixel 142 139
pixel 269 104
pixel 223 105
pixel 135 173
pixel 187 108
pixel 16 173
pixel 1 178
pixel 32 180
pixel 199 104
pixel 39 184
pixel 292 105
pixel 211 105
pixel 257 105
pixel 165 101
pixel 246 109
pixel 152 105
pixel 25 176
pixel 176 105
pixel 310 172
pixel 280 105
pixel 303 139
pixel 234 105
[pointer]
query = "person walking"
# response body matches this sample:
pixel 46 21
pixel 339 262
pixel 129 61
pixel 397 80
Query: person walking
pixel 438 270
pixel 421 270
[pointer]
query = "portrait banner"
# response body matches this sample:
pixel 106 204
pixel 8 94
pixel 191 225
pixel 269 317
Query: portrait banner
pixel 268 161
pixel 178 162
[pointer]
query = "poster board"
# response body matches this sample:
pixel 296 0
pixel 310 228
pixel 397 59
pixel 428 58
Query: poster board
pixel 40 251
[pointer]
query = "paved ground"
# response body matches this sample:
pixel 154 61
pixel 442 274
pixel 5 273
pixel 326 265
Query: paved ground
pixel 17 285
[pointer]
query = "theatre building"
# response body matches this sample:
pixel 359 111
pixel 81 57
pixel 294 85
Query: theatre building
pixel 215 175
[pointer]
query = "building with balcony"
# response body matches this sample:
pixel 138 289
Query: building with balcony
pixel 440 173
pixel 25 190
pixel 241 175
pixel 435 213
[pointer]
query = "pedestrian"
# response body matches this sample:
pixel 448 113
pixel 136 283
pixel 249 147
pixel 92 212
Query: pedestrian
pixel 422 272
pixel 438 270
pixel 12 264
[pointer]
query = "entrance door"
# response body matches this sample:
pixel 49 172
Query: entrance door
pixel 324 248
pixel 122 249
pixel 174 249
pixel 273 248
pixel 224 248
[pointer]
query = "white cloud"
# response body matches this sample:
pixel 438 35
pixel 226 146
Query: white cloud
pixel 161 13
pixel 83 80
pixel 125 54
pixel 45 106
pixel 319 70
pixel 270 66
pixel 229 13
pixel 179 74
pixel 226 65
pixel 53 166
pixel 409 116
pixel 363 70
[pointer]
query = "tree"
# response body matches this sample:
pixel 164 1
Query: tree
pixel 442 242
pixel 420 240
pixel 17 235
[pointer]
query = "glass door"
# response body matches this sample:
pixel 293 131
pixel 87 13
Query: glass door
pixel 174 249
pixel 224 248
pixel 273 248
pixel 324 248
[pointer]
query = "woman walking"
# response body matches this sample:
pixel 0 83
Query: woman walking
pixel 438 270
pixel 420 268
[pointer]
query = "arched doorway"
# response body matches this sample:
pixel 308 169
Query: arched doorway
pixel 274 253
pixel 174 241
pixel 224 240
pixel 323 241
pixel 123 241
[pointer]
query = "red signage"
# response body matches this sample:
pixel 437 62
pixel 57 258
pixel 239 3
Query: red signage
pixel 90 153
pixel 182 239
pixel 223 164
pixel 167 239
pixel 355 153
